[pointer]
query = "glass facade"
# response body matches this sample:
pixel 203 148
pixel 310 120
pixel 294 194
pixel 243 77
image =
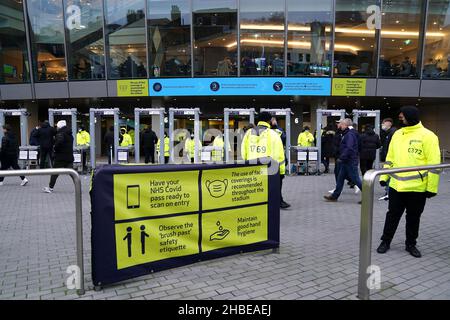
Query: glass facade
pixel 400 50
pixel 262 38
pixel 14 66
pixel 355 49
pixel 46 25
pixel 169 24
pixel 125 39
pixel 215 37
pixel 437 48
pixel 115 39
pixel 84 36
pixel 309 37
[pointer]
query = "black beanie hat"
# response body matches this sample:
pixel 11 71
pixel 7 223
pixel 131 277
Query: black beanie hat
pixel 264 116
pixel 411 115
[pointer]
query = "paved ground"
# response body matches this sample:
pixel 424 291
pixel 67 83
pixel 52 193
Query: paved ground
pixel 318 257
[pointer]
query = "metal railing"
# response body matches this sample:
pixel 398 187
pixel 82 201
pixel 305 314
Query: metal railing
pixel 365 245
pixel 78 209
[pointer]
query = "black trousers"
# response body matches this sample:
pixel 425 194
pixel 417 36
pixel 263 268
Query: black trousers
pixel 59 164
pixel 326 163
pixel 10 163
pixel 281 187
pixel 149 155
pixel 46 158
pixel 414 203
pixel 365 165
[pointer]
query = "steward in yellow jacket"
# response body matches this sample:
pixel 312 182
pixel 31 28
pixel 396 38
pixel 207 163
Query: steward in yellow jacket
pixel 166 148
pixel 126 138
pixel 189 147
pixel 412 145
pixel 262 142
pixel 83 137
pixel 305 139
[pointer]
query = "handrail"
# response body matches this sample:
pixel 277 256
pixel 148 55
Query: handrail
pixel 78 208
pixel 365 244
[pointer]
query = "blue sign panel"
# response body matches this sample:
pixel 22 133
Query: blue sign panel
pixel 240 87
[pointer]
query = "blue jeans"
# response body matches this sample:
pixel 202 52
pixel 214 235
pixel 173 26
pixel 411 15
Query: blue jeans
pixel 346 170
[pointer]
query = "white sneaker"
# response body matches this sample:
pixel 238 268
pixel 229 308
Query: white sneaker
pixel 47 190
pixel 357 189
pixel 331 191
pixel 24 182
pixel 385 198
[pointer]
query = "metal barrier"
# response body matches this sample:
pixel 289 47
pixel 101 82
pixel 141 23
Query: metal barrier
pixel 365 244
pixel 78 209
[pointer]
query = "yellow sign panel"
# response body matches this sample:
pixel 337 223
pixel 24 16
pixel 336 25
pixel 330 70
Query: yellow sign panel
pixel 140 195
pixel 132 88
pixel 231 228
pixel 151 240
pixel 349 87
pixel 232 187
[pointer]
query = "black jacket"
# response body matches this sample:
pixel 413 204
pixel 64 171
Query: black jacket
pixel 386 140
pixel 328 144
pixel 10 146
pixel 349 147
pixel 109 138
pixel 46 135
pixel 64 145
pixel 34 137
pixel 148 139
pixel 336 143
pixel 370 143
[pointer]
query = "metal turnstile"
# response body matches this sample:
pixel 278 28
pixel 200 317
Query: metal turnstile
pixel 98 113
pixel 307 156
pixel 286 113
pixel 138 113
pixel 320 114
pixel 183 112
pixel 24 148
pixel 370 114
pixel 72 113
pixel 250 112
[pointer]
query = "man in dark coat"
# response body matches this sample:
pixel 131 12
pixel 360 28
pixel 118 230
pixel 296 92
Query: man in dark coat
pixel 148 141
pixel 46 136
pixel 327 147
pixel 34 137
pixel 63 152
pixel 108 139
pixel 9 153
pixel 370 143
pixel 386 135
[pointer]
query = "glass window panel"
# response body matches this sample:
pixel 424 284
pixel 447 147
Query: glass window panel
pixel 47 39
pixel 215 46
pixel 13 43
pixel 125 38
pixel 84 36
pixel 355 47
pixel 262 37
pixel 169 38
pixel 437 49
pixel 309 37
pixel 400 42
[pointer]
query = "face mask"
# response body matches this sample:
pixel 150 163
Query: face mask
pixel 384 128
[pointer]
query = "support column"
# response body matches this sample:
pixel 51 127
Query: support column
pixel 317 103
pixel 156 103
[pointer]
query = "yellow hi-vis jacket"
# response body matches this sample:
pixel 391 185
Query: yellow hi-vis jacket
pixel 166 146
pixel 267 144
pixel 126 140
pixel 413 146
pixel 305 139
pixel 189 147
pixel 216 154
pixel 83 138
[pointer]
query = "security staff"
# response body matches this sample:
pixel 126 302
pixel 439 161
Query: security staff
pixel 412 145
pixel 166 147
pixel 305 138
pixel 83 140
pixel 189 147
pixel 126 138
pixel 263 142
pixel 217 155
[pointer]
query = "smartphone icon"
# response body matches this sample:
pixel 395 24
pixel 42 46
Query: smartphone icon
pixel 133 197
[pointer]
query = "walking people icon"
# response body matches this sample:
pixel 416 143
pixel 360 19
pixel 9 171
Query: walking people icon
pixel 128 238
pixel 143 236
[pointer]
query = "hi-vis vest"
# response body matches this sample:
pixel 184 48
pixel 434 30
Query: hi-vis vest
pixel 83 138
pixel 267 144
pixel 216 154
pixel 190 147
pixel 305 139
pixel 409 147
pixel 166 146
pixel 126 140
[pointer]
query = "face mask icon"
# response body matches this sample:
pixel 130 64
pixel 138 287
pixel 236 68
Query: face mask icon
pixel 217 188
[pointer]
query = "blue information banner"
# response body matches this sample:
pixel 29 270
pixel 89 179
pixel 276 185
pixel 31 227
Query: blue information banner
pixel 240 87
